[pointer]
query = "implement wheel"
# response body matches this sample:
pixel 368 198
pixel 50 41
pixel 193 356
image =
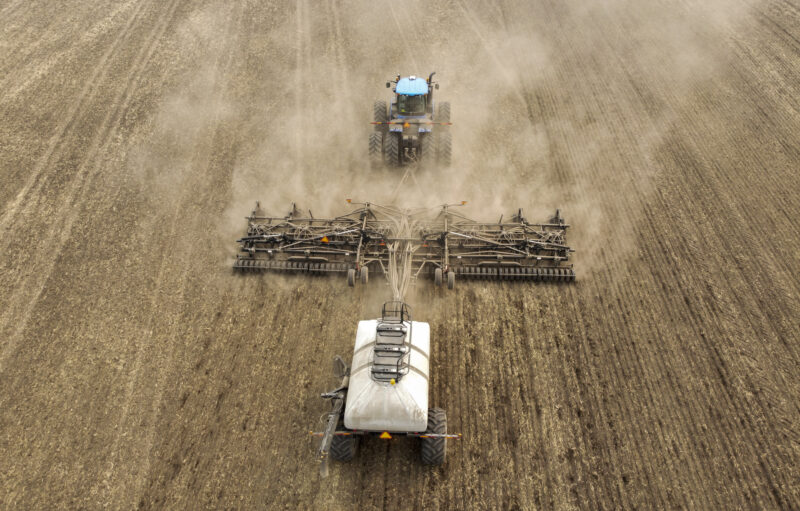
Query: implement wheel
pixel 437 277
pixel 364 274
pixel 351 277
pixel 434 450
pixel 451 279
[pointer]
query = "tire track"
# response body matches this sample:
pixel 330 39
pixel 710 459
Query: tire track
pixel 22 80
pixel 76 194
pixel 400 32
pixel 57 141
pixel 9 10
pixel 117 489
pixel 675 307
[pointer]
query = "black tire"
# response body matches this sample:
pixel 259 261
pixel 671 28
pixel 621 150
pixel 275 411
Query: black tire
pixel 427 150
pixel 351 277
pixel 444 148
pixel 443 112
pixel 391 149
pixel 434 450
pixel 437 277
pixel 376 149
pixel 380 113
pixel 451 279
pixel 364 274
pixel 344 447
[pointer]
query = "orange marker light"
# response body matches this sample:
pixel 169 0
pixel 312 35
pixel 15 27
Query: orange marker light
pixel 385 435
pixel 406 125
pixel 349 200
pixel 324 239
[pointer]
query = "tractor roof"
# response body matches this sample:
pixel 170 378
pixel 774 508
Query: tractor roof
pixel 412 86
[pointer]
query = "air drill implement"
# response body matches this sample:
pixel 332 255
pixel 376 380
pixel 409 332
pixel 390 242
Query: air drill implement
pixel 443 245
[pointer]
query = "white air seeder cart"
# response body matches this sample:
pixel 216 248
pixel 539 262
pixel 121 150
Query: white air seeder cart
pixel 385 391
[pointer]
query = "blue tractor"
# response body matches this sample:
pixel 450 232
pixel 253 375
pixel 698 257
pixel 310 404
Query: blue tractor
pixel 413 128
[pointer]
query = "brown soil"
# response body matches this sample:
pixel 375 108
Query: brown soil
pixel 137 370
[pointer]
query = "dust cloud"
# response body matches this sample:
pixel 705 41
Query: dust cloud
pixel 302 132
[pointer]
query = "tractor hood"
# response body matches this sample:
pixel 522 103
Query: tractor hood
pixel 415 86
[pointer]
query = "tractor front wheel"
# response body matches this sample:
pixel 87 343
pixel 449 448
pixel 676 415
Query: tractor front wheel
pixel 380 114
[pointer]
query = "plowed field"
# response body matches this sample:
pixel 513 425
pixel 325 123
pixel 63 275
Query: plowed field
pixel 136 370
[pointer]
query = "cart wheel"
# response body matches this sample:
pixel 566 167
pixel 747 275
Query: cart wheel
pixel 351 277
pixel 451 279
pixel 364 274
pixel 344 447
pixel 434 450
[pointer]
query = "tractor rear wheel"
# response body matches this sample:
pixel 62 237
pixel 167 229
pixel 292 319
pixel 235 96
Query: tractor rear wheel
pixel 427 151
pixel 344 447
pixel 391 149
pixel 443 112
pixel 444 148
pixel 376 149
pixel 434 450
pixel 380 113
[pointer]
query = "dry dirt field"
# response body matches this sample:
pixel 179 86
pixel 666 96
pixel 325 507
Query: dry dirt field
pixel 137 371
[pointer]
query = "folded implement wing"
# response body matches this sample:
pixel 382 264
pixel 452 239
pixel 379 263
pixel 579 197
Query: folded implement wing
pixel 431 240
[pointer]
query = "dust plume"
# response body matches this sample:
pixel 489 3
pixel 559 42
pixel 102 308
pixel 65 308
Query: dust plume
pixel 309 143
pixel 302 130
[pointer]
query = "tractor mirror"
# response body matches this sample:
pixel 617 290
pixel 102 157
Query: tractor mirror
pixel 339 367
pixel 437 86
pixel 388 84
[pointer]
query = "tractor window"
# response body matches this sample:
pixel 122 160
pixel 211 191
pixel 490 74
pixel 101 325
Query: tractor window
pixel 411 105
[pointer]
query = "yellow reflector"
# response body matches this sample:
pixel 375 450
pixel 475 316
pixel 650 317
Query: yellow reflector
pixel 392 381
pixel 406 125
pixel 385 435
pixel 324 239
pixel 348 200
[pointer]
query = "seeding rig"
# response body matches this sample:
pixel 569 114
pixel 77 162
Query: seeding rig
pixel 439 244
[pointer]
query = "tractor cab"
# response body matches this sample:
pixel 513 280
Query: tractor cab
pixel 412 95
pixel 413 127
pixel 408 105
